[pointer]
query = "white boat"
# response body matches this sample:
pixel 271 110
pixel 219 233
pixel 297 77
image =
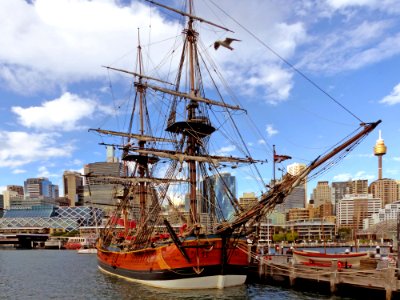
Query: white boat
pixel 87 251
pixel 325 259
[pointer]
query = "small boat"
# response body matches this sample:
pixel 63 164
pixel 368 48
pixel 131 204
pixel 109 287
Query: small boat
pixel 75 243
pixel 87 251
pixel 312 257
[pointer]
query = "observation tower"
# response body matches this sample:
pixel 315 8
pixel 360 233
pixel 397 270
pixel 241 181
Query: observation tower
pixel 380 150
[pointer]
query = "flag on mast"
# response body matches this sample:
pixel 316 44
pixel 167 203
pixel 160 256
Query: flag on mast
pixel 280 158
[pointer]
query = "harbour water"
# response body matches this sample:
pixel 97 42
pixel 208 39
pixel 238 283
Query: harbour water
pixel 63 274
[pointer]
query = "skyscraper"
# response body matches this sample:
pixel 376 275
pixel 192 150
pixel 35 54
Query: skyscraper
pixel 299 194
pixel 40 188
pixel 73 187
pixel 222 188
pixel 385 189
pixel 339 190
pixel 322 193
pixel 359 186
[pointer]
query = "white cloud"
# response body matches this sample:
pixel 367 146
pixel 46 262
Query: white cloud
pixel 396 158
pixel 356 176
pixel 393 97
pixel 18 171
pixel 342 177
pixel 56 42
pixel 226 150
pixel 20 148
pixel 271 131
pixel 261 142
pixel 352 48
pixel 63 113
pixel 390 6
pixel 68 40
pixel 2 189
pixel 44 172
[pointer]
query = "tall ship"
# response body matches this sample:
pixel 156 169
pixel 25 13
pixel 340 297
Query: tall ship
pixel 167 153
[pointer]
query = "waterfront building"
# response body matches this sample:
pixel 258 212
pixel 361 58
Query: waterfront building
pixel 391 211
pixel 50 217
pixel 73 187
pixel 313 229
pixel 385 189
pixel 248 200
pixel 295 214
pixel 20 202
pixel 322 193
pixel 354 208
pixel 324 210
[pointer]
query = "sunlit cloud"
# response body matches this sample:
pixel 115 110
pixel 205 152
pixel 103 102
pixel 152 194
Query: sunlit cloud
pixel 271 131
pixel 393 98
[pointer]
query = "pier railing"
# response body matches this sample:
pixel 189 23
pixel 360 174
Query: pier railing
pixel 277 269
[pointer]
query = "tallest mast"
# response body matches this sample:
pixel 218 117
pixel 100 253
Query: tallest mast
pixel 191 110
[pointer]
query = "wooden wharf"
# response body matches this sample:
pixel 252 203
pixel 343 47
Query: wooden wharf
pixel 380 282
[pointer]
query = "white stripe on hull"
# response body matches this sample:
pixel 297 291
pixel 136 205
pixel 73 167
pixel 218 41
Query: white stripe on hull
pixel 206 282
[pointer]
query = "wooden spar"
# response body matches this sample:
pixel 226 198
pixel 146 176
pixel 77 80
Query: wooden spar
pixel 133 180
pixel 192 97
pixel 184 157
pixel 367 129
pixel 144 138
pixel 279 191
pixel 188 15
pixel 138 75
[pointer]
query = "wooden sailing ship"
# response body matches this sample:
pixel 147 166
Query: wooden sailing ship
pixel 144 246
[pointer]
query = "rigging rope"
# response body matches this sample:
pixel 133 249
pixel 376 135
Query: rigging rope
pixel 287 62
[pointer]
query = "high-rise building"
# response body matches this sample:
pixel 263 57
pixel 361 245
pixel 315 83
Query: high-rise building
pixel 296 199
pixel 322 193
pixel 222 188
pixel 354 208
pixel 11 194
pixel 73 188
pixel 248 200
pixel 42 188
pixel 19 189
pixel 385 189
pixel 100 193
pixel 295 169
pixel 339 190
pixel 359 186
pixel 111 155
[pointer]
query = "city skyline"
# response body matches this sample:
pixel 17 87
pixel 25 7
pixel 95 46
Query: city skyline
pixel 53 87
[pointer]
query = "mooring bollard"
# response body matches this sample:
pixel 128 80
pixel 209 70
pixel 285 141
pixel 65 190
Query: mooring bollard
pixel 333 275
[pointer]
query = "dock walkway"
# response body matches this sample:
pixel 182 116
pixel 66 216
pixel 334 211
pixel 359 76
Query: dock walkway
pixel 381 281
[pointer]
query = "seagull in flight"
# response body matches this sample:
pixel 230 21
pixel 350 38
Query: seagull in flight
pixel 225 43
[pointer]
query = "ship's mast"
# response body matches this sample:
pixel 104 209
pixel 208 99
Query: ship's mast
pixel 191 113
pixel 141 165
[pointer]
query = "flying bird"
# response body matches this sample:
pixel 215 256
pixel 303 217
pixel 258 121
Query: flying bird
pixel 225 43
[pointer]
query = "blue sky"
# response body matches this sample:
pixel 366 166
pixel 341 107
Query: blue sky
pixel 53 87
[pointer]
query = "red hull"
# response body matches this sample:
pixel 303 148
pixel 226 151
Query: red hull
pixel 166 263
